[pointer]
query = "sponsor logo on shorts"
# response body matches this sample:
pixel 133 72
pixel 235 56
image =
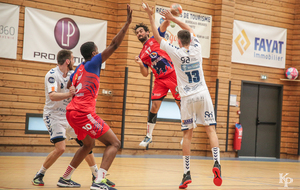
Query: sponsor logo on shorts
pixel 187 121
pixel 51 80
pixel 209 116
pixel 186 88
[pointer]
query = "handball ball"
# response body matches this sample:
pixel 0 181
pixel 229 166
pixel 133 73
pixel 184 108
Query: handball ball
pixel 291 73
pixel 176 9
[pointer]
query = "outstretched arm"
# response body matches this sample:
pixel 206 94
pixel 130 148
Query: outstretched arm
pixel 156 35
pixel 115 43
pixel 168 16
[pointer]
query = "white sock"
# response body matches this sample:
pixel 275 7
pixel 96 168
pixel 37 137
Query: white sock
pixel 69 172
pixel 150 127
pixel 216 154
pixel 42 170
pixel 94 170
pixel 101 175
pixel 186 164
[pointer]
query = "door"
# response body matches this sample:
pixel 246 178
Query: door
pixel 261 120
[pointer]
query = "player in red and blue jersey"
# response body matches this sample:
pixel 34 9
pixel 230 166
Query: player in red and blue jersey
pixel 81 111
pixel 162 67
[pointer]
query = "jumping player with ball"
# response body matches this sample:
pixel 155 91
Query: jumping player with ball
pixel 196 103
pixel 162 67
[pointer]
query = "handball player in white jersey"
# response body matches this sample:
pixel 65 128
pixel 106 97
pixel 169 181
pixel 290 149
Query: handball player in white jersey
pixel 57 98
pixel 196 103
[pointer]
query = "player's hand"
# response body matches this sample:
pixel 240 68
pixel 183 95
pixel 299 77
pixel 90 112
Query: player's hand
pixel 167 15
pixel 147 8
pixel 138 60
pixel 72 90
pixel 129 14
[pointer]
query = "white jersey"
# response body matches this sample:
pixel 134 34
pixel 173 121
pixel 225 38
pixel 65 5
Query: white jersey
pixel 55 82
pixel 188 66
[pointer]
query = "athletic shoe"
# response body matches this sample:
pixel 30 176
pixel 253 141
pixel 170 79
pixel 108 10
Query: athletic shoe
pixel 102 185
pixel 67 183
pixel 108 182
pixel 147 140
pixel 38 180
pixel 217 172
pixel 185 180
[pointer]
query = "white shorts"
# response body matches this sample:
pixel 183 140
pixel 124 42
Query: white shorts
pixel 58 128
pixel 197 109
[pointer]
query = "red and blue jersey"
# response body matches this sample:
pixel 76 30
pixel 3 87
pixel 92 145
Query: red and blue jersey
pixel 85 79
pixel 155 58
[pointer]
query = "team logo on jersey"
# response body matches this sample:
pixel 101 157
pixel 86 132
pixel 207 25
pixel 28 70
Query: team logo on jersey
pixel 153 55
pixel 51 80
pixel 61 86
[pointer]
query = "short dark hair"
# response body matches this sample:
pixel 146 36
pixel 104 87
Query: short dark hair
pixel 87 49
pixel 63 55
pixel 140 25
pixel 184 36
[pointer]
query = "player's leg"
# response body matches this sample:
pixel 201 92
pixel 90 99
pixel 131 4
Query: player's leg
pixel 159 91
pixel 57 137
pixel 112 146
pixel 50 159
pixel 207 118
pixel 187 126
pixel 186 152
pixel 77 120
pixel 90 159
pixel 151 122
pixel 81 153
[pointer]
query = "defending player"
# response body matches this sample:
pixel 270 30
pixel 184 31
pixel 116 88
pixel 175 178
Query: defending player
pixel 54 115
pixel 162 67
pixel 196 103
pixel 81 112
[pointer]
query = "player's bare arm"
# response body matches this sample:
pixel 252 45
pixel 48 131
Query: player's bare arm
pixel 164 25
pixel 58 96
pixel 115 43
pixel 149 11
pixel 167 15
pixel 69 84
pixel 143 69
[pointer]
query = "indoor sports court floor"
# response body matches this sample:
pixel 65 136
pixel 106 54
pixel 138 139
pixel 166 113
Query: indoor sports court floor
pixel 153 172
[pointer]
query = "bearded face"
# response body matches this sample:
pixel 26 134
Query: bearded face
pixel 142 35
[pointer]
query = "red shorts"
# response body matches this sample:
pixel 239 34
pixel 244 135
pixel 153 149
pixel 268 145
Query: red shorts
pixel 87 124
pixel 162 86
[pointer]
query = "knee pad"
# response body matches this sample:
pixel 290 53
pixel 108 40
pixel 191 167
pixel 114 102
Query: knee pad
pixel 152 117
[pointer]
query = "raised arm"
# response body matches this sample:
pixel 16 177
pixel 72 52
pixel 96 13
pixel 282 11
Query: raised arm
pixel 168 16
pixel 164 25
pixel 156 35
pixel 115 43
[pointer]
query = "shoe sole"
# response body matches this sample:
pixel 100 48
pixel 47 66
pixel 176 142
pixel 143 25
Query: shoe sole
pixel 68 186
pixel 185 184
pixel 217 178
pixel 37 184
pixel 145 145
